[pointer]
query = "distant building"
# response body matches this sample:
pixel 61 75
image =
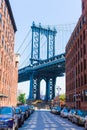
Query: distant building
pixel 76 63
pixel 8 60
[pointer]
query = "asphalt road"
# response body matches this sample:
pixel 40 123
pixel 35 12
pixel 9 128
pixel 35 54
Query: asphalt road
pixel 44 120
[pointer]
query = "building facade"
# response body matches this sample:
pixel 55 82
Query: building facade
pixel 76 63
pixel 8 60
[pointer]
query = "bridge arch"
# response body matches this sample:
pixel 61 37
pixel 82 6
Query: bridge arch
pixel 42 89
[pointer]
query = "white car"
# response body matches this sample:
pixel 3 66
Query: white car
pixel 64 112
pixel 85 122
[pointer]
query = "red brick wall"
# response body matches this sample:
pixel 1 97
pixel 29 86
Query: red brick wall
pixel 8 71
pixel 76 64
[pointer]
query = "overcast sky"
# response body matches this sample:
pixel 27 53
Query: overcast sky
pixel 46 12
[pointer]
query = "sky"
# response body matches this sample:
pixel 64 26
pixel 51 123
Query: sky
pixel 46 12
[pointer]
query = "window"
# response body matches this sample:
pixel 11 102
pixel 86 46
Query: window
pixel 81 39
pixel 78 56
pixel 84 47
pixel 0 59
pixel 78 69
pixel 2 40
pixel 84 35
pixel 4 10
pixel 0 17
pixel 83 6
pixel 81 67
pixel 85 95
pixel 3 25
pixel 81 80
pixel 84 78
pixel 84 64
pixel 81 52
pixel 78 43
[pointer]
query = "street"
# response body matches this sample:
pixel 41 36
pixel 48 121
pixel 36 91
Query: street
pixel 44 120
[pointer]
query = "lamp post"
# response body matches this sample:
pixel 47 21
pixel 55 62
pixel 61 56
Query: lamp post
pixel 58 89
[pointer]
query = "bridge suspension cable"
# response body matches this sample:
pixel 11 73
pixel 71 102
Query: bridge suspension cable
pixel 26 47
pixel 24 61
pixel 24 40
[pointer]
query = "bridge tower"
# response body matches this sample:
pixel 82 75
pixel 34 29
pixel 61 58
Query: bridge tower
pixel 50 34
pixel 37 31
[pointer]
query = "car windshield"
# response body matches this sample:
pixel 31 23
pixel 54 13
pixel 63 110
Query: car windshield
pixel 17 111
pixel 5 110
pixel 22 108
pixel 65 110
pixel 58 108
pixel 72 111
pixel 84 113
pixel 80 112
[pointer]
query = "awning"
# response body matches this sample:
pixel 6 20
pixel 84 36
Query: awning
pixel 3 96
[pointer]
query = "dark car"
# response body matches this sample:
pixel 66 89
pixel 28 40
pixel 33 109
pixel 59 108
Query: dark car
pixel 8 118
pixel 24 111
pixel 20 116
pixel 28 110
pixel 79 117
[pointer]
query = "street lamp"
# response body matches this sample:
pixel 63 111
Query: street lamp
pixel 58 89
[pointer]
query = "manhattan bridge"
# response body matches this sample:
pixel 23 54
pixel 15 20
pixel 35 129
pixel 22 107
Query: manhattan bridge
pixel 43 57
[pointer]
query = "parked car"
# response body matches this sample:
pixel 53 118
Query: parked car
pixel 8 118
pixel 59 110
pixel 70 114
pixel 54 110
pixel 20 116
pixel 64 112
pixel 24 111
pixel 79 117
pixel 28 110
pixel 31 108
pixel 86 122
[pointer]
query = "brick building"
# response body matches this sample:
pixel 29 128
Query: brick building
pixel 8 60
pixel 76 63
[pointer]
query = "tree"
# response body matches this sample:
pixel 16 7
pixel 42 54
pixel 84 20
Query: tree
pixel 62 97
pixel 22 98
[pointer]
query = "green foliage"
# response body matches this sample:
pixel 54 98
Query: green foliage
pixel 62 97
pixel 22 98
